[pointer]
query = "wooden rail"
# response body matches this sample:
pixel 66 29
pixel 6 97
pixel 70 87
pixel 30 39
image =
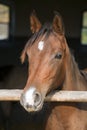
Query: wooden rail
pixel 60 96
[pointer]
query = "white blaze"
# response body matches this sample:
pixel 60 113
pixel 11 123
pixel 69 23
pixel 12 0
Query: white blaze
pixel 29 96
pixel 41 45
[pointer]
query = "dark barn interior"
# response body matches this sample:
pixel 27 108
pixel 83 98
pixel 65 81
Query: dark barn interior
pixel 12 73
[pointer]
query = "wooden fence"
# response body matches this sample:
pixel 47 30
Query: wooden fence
pixel 60 96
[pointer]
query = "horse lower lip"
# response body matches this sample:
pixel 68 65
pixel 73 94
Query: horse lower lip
pixel 34 108
pixel 30 110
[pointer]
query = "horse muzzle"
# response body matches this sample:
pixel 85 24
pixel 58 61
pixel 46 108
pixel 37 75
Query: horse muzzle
pixel 31 100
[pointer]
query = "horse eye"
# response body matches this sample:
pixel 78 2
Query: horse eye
pixel 58 55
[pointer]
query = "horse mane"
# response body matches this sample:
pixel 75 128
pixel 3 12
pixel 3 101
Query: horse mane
pixel 76 77
pixel 46 29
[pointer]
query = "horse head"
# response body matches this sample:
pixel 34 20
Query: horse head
pixel 46 52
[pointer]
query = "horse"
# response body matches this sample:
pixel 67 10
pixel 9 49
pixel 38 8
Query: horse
pixel 52 67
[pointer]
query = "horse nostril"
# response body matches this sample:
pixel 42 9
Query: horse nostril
pixel 37 98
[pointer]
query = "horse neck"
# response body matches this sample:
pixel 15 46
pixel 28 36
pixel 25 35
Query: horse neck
pixel 73 78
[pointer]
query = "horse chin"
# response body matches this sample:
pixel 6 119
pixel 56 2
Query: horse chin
pixel 34 109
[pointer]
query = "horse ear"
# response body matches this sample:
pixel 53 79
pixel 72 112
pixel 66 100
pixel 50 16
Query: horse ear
pixel 58 24
pixel 35 24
